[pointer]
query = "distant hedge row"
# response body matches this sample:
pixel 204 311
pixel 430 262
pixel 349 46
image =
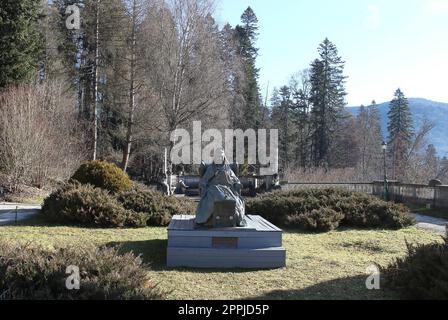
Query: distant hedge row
pixel 327 209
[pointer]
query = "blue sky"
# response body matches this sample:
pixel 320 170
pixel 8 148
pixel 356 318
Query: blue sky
pixel 386 43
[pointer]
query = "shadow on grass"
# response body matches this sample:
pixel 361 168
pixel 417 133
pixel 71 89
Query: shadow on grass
pixel 37 220
pixel 40 220
pixel 352 288
pixel 154 253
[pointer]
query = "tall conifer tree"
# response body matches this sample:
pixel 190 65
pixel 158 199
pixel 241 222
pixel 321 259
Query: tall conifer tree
pixel 327 98
pixel 247 36
pixel 282 116
pixel 401 132
pixel 20 41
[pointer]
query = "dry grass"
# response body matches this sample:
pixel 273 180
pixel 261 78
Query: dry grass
pixel 319 266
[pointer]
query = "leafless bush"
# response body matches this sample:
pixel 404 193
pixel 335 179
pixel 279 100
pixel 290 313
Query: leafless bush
pixel 38 135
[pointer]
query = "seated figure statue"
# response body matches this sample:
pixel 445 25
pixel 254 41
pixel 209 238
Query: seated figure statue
pixel 219 185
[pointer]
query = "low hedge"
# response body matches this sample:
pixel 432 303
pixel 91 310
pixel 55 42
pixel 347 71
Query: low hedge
pixel 299 208
pixel 422 274
pixel 158 206
pixel 86 205
pixel 30 273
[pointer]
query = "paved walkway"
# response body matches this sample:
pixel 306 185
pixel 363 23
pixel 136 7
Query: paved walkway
pixel 430 223
pixel 8 212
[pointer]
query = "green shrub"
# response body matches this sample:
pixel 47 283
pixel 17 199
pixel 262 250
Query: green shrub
pixel 422 274
pixel 103 175
pixel 88 206
pixel 380 214
pixel 319 220
pixel 29 273
pixel 159 208
pixel 359 210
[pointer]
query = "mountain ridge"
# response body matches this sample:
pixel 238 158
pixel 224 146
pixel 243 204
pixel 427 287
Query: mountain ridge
pixel 421 108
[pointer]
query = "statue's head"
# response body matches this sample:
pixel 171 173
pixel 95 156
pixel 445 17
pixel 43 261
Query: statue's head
pixel 220 156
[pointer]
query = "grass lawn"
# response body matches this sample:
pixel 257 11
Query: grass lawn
pixel 319 266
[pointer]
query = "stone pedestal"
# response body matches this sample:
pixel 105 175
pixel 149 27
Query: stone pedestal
pixel 256 246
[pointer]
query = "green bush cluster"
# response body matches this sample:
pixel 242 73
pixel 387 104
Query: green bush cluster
pixel 103 175
pixel 101 195
pixel 86 205
pixel 323 219
pixel 326 209
pixel 93 198
pixel 422 274
pixel 159 207
pixel 32 273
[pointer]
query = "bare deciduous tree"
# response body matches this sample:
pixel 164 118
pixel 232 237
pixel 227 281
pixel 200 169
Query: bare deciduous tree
pixel 417 170
pixel 184 67
pixel 38 135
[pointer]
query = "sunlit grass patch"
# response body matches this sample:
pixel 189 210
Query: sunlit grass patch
pixel 319 266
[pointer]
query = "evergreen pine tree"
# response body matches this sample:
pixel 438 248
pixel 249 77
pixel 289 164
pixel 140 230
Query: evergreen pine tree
pixel 281 114
pixel 401 132
pixel 20 41
pixel 327 99
pixel 247 36
pixel 235 70
pixel 54 62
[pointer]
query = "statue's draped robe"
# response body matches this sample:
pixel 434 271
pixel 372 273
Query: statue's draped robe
pixel 219 183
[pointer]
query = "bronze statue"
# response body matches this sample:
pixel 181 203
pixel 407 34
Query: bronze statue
pixel 221 203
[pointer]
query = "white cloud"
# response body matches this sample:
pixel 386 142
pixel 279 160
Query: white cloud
pixel 373 21
pixel 436 5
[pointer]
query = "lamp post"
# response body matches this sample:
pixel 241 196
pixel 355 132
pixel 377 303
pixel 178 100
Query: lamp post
pixel 386 181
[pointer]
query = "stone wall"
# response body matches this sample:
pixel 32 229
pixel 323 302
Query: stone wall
pixel 441 197
pixel 416 194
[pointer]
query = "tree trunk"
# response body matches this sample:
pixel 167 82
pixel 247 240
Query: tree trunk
pixel 95 82
pixel 129 134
